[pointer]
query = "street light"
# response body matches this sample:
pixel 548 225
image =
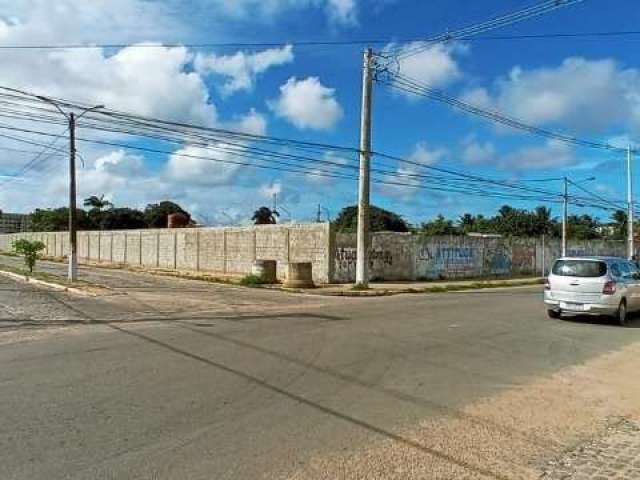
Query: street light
pixel 73 235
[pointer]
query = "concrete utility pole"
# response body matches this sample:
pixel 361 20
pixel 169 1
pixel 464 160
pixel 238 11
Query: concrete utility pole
pixel 73 234
pixel 73 226
pixel 630 246
pixel 565 215
pixel 362 260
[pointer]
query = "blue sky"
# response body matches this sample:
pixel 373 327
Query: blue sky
pixel 586 86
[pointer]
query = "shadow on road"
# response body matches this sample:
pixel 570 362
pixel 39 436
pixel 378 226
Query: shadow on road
pixel 310 403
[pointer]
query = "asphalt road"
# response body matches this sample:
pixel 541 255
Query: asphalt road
pixel 179 379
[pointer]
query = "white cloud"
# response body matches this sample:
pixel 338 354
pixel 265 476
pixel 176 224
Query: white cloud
pixel 308 104
pixel 551 154
pixel 435 66
pixel 241 69
pixel 425 156
pixel 120 164
pixel 203 166
pixel 577 95
pixel 95 21
pixel 253 123
pixel 478 153
pixel 340 12
pixel 407 176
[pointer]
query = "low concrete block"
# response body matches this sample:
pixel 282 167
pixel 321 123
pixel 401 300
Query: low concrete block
pixel 300 275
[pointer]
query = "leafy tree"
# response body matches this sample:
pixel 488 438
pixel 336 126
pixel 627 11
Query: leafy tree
pixel 156 214
pixel 265 216
pixel 619 219
pixel 122 219
pixel 29 249
pixel 439 226
pixel 97 203
pixel 381 220
pixel 582 227
pixel 57 220
pixel 475 224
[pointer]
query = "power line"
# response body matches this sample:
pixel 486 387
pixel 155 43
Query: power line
pixel 476 29
pixel 598 35
pixel 241 145
pixel 280 166
pixel 413 86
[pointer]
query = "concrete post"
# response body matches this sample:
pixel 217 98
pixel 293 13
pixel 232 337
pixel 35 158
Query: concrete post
pixel 157 248
pixel 197 250
pixel 362 261
pixel 224 251
pixel 175 250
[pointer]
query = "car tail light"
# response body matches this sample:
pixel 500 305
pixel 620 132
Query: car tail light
pixel 547 285
pixel 609 288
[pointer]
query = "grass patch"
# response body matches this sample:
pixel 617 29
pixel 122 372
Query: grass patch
pixel 481 285
pixel 358 287
pixel 44 276
pixel 251 281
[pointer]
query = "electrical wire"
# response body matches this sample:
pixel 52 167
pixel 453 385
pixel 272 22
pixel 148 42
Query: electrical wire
pixel 472 30
pixel 409 85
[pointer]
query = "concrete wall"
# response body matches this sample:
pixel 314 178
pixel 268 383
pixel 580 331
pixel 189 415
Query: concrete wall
pixel 393 256
pixel 403 256
pixel 217 250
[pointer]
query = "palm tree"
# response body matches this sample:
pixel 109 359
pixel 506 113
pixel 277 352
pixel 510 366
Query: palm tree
pixel 265 216
pixel 97 203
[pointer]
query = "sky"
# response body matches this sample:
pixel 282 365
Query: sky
pixel 588 87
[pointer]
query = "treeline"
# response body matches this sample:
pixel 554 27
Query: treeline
pixel 102 215
pixel 507 222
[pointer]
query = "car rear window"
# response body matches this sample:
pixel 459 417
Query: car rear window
pixel 579 268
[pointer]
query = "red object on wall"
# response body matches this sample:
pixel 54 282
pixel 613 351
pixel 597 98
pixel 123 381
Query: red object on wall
pixel 178 220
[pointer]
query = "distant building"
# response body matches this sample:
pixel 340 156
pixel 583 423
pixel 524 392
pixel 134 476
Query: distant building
pixel 14 222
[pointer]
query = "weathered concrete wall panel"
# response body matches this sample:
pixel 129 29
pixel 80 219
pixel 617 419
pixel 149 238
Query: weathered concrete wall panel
pixel 399 256
pixel 216 250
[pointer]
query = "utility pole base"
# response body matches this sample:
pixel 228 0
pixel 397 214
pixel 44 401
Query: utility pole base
pixel 73 267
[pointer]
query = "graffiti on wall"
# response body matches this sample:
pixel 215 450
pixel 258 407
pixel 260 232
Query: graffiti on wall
pixel 383 257
pixel 497 260
pixel 523 258
pixel 346 258
pixel 435 261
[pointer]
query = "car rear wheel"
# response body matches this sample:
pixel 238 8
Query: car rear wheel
pixel 622 313
pixel 554 313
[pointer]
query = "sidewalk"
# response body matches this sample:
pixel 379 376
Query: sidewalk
pixel 378 289
pixel 100 276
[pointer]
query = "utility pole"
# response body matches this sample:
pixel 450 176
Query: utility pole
pixel 630 246
pixel 73 226
pixel 565 215
pixel 362 260
pixel 73 234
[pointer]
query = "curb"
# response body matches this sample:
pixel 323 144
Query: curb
pixel 405 291
pixel 55 286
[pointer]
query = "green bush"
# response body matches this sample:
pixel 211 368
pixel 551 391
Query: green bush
pixel 251 281
pixel 29 249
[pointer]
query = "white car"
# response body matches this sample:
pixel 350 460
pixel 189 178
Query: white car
pixel 593 286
